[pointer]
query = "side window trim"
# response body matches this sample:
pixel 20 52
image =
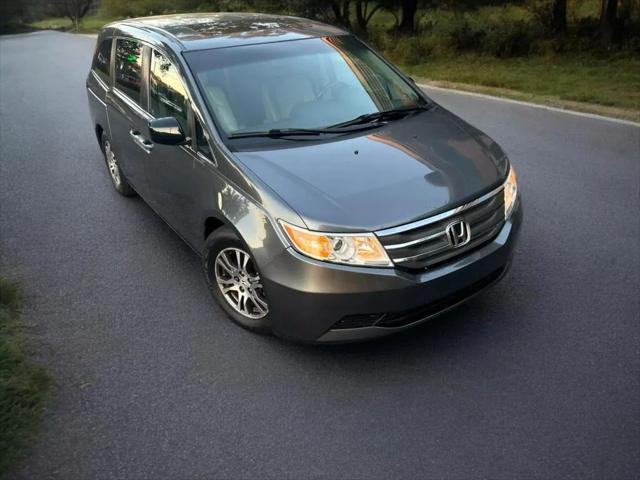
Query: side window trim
pixel 192 128
pixel 191 147
pixel 112 61
pixel 146 65
pixel 99 80
pixel 194 141
pixel 131 103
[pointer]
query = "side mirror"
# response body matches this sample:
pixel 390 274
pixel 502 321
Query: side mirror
pixel 166 131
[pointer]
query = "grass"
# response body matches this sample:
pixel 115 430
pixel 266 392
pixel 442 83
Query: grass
pixel 611 86
pixel 23 385
pixel 90 24
pixel 52 23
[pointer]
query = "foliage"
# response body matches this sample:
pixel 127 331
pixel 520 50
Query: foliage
pixel 610 80
pixel 495 31
pixel 506 31
pixel 135 8
pixel 413 29
pixel 23 385
pixel 74 10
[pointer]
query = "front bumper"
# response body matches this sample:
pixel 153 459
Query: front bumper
pixel 309 300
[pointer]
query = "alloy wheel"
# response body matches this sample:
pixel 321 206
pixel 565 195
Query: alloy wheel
pixel 112 164
pixel 240 283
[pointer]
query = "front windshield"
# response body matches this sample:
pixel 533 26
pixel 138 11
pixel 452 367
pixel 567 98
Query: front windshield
pixel 312 83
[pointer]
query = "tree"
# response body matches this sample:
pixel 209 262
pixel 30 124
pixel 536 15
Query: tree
pixel 609 23
pixel 74 10
pixel 408 18
pixel 341 11
pixel 406 23
pixel 559 16
pixel 364 13
pixel 11 13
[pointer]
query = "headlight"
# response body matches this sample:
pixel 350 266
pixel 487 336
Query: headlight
pixel 351 249
pixel 510 192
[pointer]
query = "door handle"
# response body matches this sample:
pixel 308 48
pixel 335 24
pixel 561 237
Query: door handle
pixel 137 137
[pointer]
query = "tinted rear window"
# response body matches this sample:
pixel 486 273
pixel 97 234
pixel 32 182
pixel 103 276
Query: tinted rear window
pixel 128 68
pixel 102 59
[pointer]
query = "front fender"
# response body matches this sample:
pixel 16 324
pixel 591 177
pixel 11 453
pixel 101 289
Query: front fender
pixel 253 225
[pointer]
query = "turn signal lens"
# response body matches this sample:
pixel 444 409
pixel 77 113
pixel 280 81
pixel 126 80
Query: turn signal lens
pixel 360 249
pixel 510 192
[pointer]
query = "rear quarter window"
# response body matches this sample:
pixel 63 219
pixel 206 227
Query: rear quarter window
pixel 102 59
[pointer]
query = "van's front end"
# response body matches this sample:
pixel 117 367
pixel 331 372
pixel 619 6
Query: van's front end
pixel 330 198
pixel 319 291
pixel 404 210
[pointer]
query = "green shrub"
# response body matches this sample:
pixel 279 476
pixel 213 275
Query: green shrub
pixel 410 50
pixel 507 31
pixel 464 35
pixel 509 39
pixel 541 12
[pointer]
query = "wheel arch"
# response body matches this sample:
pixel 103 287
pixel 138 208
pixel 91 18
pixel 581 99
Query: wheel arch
pixel 99 131
pixel 213 223
pixel 255 231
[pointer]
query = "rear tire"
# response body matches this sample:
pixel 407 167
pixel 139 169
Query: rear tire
pixel 235 281
pixel 119 181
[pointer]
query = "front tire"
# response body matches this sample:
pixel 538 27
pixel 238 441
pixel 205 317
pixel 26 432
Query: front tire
pixel 235 281
pixel 118 179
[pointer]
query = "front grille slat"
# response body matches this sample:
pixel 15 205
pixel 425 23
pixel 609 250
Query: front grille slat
pixel 424 244
pixel 480 215
pixel 418 241
pixel 421 255
pixel 481 229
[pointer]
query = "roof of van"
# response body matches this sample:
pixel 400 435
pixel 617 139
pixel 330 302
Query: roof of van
pixel 214 30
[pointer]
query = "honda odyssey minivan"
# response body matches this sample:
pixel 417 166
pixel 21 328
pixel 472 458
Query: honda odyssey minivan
pixel 330 199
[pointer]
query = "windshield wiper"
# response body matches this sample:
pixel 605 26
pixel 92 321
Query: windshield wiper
pixel 376 117
pixel 282 132
pixel 290 132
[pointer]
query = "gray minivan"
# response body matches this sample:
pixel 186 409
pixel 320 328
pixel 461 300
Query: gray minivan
pixel 330 199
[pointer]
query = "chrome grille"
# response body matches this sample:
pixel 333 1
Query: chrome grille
pixel 424 243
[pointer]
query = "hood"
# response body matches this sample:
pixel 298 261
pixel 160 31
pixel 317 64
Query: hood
pixel 407 170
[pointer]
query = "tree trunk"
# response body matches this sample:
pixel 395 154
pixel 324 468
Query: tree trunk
pixel 364 14
pixel 409 9
pixel 346 13
pixel 361 14
pixel 341 14
pixel 74 21
pixel 559 16
pixel 609 25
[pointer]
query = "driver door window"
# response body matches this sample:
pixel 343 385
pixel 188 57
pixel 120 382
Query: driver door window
pixel 167 94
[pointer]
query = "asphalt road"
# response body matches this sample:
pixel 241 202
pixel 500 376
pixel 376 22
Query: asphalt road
pixel 537 378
